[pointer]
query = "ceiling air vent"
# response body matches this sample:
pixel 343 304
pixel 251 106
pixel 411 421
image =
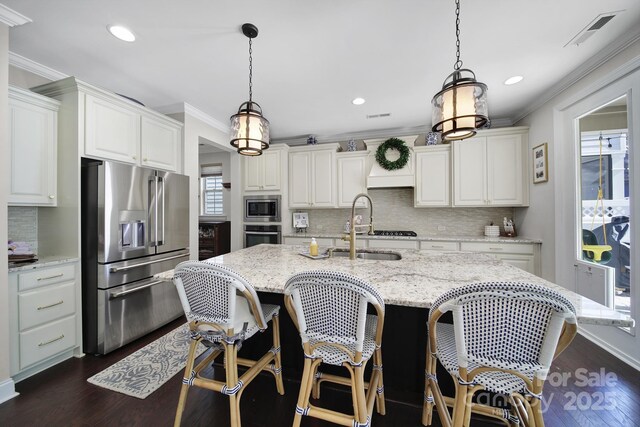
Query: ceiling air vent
pixel 375 116
pixel 597 23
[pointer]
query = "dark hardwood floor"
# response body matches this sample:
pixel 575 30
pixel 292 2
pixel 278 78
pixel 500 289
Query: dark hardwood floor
pixel 61 396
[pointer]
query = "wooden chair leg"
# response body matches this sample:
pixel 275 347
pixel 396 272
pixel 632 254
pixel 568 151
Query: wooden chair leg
pixel 427 406
pixel 185 387
pixel 380 402
pixel 459 405
pixel 278 357
pixel 305 390
pixel 231 368
pixel 360 410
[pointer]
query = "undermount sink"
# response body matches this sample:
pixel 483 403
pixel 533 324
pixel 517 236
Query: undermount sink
pixel 365 254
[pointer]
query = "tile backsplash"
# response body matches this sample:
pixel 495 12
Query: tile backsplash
pixel 23 225
pixel 393 210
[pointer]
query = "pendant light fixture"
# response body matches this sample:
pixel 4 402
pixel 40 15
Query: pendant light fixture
pixel 460 108
pixel 249 128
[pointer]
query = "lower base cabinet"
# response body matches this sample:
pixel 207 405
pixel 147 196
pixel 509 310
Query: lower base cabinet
pixel 44 317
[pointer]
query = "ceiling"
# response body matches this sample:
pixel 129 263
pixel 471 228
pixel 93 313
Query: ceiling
pixel 312 58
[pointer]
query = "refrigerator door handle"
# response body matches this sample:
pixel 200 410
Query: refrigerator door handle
pixel 153 211
pixel 121 294
pixel 160 211
pixel 142 264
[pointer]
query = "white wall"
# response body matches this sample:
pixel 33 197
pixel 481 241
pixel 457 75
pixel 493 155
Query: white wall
pixel 194 129
pixel 553 204
pixel 538 221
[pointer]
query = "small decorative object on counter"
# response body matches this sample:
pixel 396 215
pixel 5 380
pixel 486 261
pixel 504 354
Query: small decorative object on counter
pixel 313 247
pixel 433 138
pixel 492 230
pixel 312 140
pixel 509 228
pixel 352 145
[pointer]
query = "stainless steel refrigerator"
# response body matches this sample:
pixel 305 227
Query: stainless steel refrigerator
pixel 134 224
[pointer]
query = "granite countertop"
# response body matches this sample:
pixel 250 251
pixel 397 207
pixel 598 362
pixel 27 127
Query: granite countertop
pixel 481 239
pixel 415 281
pixel 42 262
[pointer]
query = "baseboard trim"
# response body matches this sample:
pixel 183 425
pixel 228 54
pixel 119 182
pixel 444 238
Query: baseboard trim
pixel 635 364
pixel 7 390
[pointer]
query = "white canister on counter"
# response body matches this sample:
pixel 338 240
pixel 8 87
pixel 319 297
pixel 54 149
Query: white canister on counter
pixel 492 231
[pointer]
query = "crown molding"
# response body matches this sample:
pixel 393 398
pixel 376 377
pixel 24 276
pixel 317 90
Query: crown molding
pixel 11 17
pixel 183 107
pixel 579 73
pixel 34 67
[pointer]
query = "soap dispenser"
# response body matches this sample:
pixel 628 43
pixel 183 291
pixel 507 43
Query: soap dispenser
pixel 313 247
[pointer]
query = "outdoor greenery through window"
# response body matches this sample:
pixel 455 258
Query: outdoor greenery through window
pixel 211 194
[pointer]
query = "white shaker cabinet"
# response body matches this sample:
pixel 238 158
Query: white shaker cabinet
pixel 159 144
pixel 312 177
pixel 112 130
pixel 33 121
pixel 352 178
pixel 491 169
pixel 44 317
pixel 107 126
pixel 264 172
pixel 433 176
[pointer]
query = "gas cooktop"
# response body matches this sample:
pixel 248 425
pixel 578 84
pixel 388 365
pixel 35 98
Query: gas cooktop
pixel 395 233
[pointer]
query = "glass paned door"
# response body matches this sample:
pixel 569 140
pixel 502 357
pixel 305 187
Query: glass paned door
pixel 604 205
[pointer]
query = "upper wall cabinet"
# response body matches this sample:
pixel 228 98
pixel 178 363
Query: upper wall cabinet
pixel 264 172
pixel 33 121
pixel 114 128
pixel 433 176
pixel 491 169
pixel 312 176
pixel 352 178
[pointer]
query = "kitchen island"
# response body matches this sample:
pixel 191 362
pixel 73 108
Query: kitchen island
pixel 408 286
pixel 416 280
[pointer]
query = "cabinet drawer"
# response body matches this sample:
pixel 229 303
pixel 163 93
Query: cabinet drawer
pixel 41 306
pixel 46 341
pixel 509 248
pixel 46 276
pixel 393 244
pixel 439 246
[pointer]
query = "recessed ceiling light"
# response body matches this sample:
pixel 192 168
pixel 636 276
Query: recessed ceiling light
pixel 513 80
pixel 358 101
pixel 121 32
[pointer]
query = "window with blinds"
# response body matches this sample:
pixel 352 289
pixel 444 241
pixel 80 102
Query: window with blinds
pixel 211 190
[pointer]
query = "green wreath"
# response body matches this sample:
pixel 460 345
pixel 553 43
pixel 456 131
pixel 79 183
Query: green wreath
pixel 396 144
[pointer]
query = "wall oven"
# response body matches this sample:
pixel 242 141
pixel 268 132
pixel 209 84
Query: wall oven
pixel 257 234
pixel 262 208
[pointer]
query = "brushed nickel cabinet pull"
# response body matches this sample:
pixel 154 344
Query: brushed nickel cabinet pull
pixel 496 249
pixel 50 277
pixel 51 341
pixel 42 307
pixel 437 247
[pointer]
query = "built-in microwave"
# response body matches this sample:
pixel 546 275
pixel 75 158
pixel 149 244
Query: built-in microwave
pixel 262 208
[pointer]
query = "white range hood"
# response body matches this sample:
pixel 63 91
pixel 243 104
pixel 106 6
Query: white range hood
pixel 381 178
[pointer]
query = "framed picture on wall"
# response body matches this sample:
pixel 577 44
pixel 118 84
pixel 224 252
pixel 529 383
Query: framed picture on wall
pixel 540 164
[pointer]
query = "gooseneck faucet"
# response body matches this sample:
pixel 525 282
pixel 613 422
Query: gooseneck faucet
pixel 351 238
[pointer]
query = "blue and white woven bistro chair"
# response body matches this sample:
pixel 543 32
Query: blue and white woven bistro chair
pixel 503 339
pixel 223 310
pixel 330 312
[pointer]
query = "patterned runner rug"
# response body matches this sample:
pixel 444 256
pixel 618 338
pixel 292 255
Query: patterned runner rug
pixel 143 372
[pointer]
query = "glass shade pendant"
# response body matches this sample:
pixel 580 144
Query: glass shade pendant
pixel 460 108
pixel 249 128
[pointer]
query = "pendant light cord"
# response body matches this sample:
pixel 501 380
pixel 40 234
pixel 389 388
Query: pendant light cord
pixel 458 63
pixel 250 72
